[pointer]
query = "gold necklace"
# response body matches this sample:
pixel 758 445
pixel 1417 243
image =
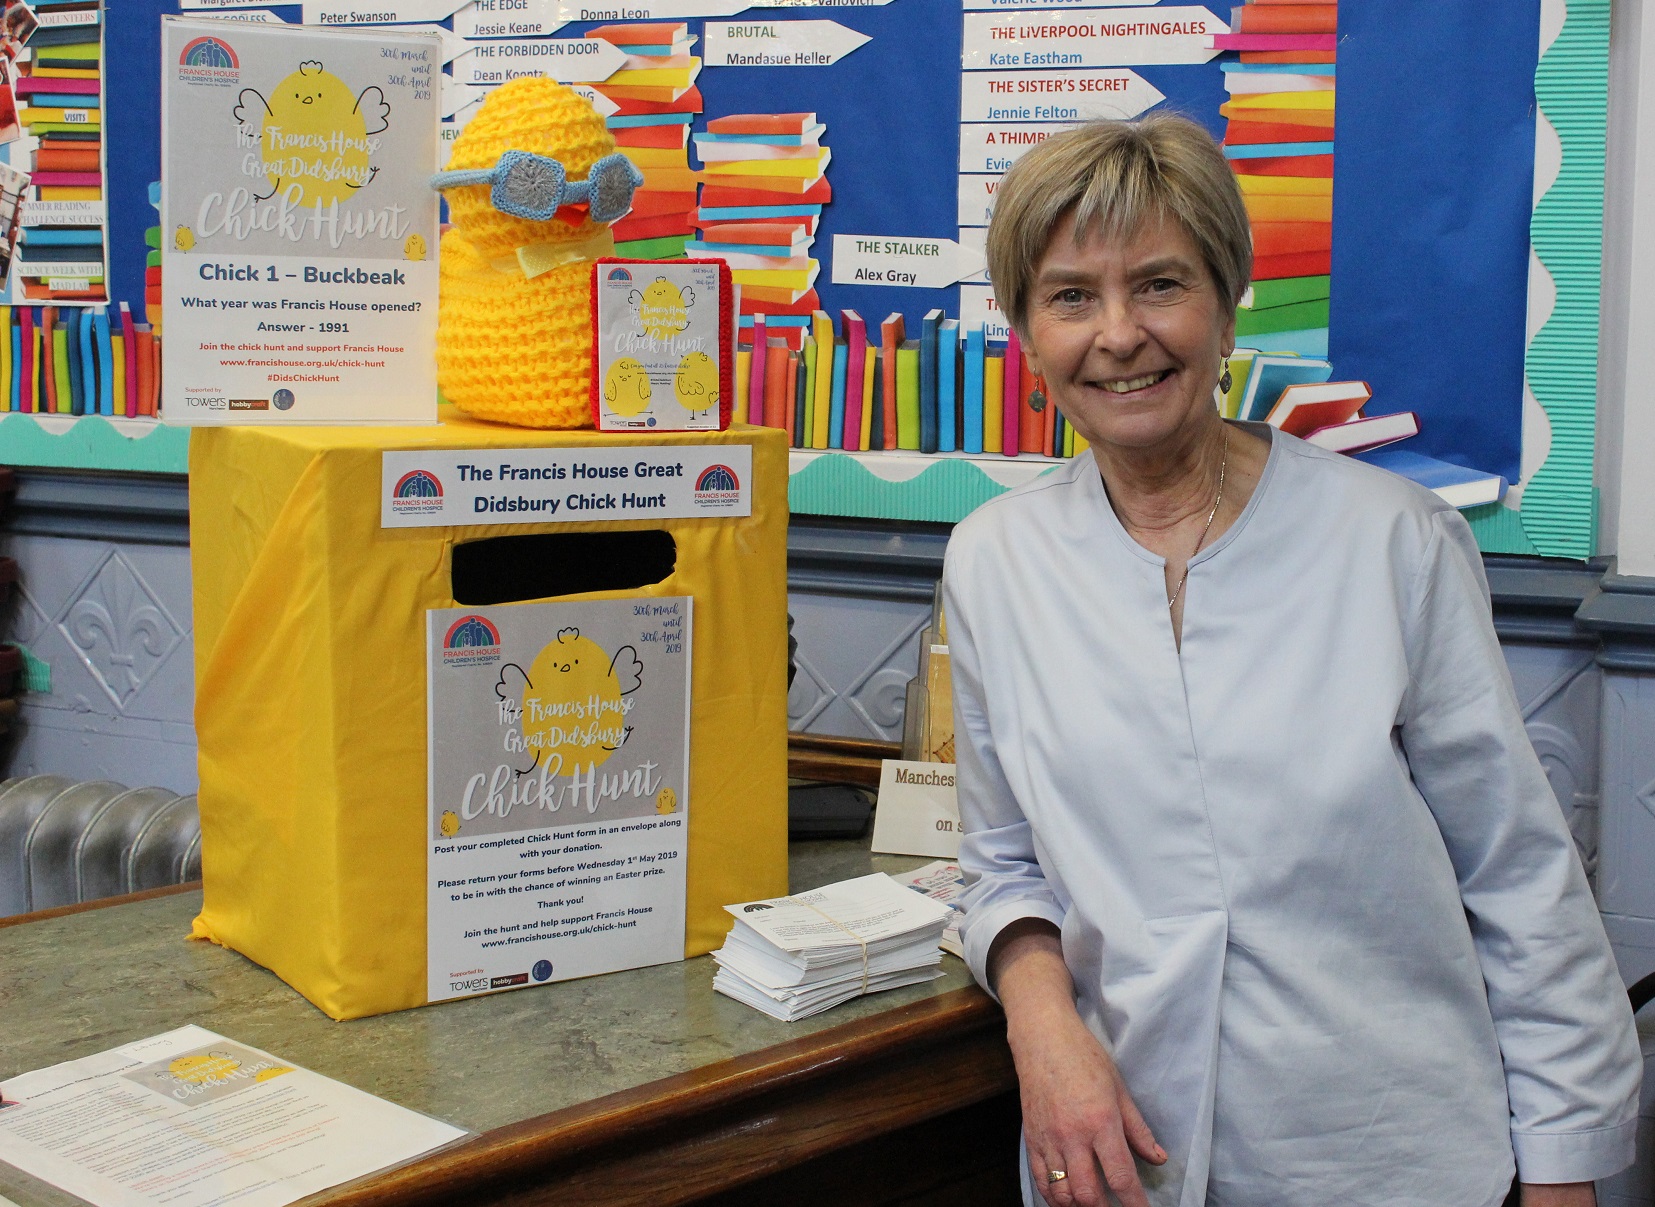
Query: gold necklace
pixel 1223 463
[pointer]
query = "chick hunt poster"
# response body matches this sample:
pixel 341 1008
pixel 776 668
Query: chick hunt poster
pixel 559 790
pixel 298 227
pixel 661 331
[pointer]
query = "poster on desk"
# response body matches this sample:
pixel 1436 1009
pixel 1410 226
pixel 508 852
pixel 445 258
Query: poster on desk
pixel 559 790
pixel 298 225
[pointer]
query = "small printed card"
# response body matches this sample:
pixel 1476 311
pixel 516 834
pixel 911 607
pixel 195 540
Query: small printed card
pixel 664 339
pixel 918 813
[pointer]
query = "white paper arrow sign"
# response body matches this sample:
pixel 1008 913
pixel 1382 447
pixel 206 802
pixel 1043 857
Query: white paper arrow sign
pixel 907 262
pixel 569 60
pixel 456 96
pixel 1098 37
pixel 252 16
pixel 994 147
pixel 509 19
pixel 523 18
pixel 779 43
pixel 1054 96
pixel 379 12
pixel 598 100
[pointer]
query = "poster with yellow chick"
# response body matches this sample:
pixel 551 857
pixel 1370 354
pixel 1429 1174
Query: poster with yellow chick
pixel 299 284
pixel 558 790
pixel 664 349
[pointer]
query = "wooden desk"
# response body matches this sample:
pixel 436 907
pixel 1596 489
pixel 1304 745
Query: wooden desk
pixel 641 1087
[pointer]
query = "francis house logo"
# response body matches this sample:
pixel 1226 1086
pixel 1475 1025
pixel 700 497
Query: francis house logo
pixel 209 61
pixel 417 492
pixel 471 641
pixel 717 487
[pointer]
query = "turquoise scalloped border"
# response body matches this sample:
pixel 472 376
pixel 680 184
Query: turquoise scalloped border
pixel 1559 508
pixel 93 443
pixel 839 484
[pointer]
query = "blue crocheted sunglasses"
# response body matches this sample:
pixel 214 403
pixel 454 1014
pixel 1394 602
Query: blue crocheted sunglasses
pixel 532 186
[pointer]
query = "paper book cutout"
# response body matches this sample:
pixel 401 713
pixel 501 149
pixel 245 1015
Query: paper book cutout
pixel 1367 432
pixel 1303 408
pixel 1453 484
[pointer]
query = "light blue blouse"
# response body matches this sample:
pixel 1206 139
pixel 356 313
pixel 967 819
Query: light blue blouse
pixel 1314 888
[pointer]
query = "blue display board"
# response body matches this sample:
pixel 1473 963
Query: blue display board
pixel 1432 189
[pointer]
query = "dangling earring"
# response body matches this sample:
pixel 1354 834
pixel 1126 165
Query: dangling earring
pixel 1224 379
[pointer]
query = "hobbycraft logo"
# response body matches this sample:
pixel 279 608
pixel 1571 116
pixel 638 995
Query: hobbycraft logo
pixel 209 61
pixel 471 641
pixel 417 492
pixel 717 487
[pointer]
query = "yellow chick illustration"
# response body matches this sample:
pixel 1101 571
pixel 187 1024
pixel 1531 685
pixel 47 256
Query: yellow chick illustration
pixel 663 308
pixel 203 1066
pixel 626 387
pixel 314 133
pixel 413 247
pixel 513 348
pixel 183 238
pixel 666 801
pixel 571 706
pixel 695 384
pixel 449 823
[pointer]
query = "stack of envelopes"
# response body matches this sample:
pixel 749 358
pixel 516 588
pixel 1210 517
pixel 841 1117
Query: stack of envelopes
pixel 795 956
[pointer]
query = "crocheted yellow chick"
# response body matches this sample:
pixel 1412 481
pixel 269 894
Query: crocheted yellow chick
pixel 510 347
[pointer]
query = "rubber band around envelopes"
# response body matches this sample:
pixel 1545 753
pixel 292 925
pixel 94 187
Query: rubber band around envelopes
pixel 860 941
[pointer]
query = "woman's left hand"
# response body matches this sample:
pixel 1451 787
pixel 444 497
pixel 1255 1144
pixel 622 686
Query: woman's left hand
pixel 1568 1194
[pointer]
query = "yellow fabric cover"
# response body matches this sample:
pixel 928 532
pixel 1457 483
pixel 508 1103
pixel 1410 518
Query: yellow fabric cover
pixel 311 711
pixel 510 348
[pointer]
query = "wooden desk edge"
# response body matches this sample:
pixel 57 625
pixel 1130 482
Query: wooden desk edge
pixel 718 1107
pixel 63 911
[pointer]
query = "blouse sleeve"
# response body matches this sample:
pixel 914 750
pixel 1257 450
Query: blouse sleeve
pixel 1560 1010
pixel 1003 880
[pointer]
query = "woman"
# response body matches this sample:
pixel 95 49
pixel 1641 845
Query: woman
pixel 1261 865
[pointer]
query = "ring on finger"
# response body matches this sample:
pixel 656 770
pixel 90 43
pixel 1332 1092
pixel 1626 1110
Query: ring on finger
pixel 1055 1175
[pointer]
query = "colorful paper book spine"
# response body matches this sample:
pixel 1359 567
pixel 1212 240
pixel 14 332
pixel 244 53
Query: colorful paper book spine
pixel 841 382
pixel 800 379
pixel 870 383
pixel 928 399
pixel 759 377
pixel 892 334
pixel 973 367
pixel 876 419
pixel 129 349
pixel 6 374
pixel 48 375
pixel 855 333
pixel 744 373
pixel 822 383
pixel 26 374
pixel 60 369
pixel 994 390
pixel 88 365
pixel 1031 422
pixel 1011 414
pixel 776 398
pixel 908 395
pixel 948 385
pixel 15 386
pixel 807 424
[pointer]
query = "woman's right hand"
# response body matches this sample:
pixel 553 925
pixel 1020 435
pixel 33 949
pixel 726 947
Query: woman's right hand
pixel 1077 1114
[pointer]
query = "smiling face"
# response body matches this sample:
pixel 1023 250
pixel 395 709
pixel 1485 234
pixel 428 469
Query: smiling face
pixel 1129 334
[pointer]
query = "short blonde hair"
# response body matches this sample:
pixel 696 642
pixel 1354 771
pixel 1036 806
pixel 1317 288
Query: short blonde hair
pixel 1115 176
